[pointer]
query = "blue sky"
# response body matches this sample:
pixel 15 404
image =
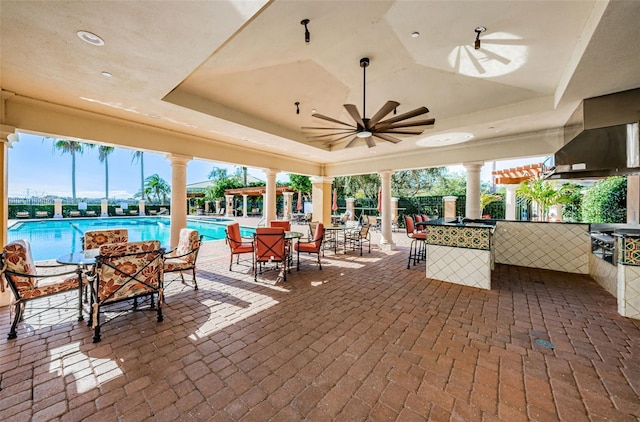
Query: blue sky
pixel 36 169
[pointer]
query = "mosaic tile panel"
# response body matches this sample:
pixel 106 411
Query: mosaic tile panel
pixel 459 237
pixel 469 267
pixel 629 250
pixel 553 246
pixel 604 273
pixel 629 291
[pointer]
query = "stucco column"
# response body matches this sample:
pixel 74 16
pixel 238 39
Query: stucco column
pixel 288 205
pixel 7 137
pixel 178 195
pixel 449 207
pixel 228 205
pixel 217 206
pixel 244 204
pixel 472 209
pixel 321 199
pixel 270 196
pixel 57 208
pixel 510 211
pixel 141 207
pixel 555 212
pixel 351 207
pixel 633 199
pixel 394 211
pixel 386 237
pixel 206 207
pixel 104 208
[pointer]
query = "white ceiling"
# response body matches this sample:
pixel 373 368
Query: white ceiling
pixel 229 72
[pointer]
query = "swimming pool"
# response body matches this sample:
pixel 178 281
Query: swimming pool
pixel 52 238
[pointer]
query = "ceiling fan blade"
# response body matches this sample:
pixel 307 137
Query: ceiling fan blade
pixel 353 112
pixel 329 134
pixel 409 114
pixel 330 119
pixel 351 142
pixel 337 140
pixel 404 132
pixel 388 138
pixel 386 126
pixel 369 141
pixel 323 128
pixel 386 109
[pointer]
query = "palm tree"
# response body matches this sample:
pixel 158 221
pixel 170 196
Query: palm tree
pixel 138 156
pixel 156 186
pixel 103 156
pixel 73 148
pixel 543 193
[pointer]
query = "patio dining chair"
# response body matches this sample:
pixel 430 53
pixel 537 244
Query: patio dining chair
pixel 284 224
pixel 184 257
pixel 270 247
pixel 126 271
pixel 417 250
pixel 356 238
pixel 237 244
pixel 93 239
pixel 20 273
pixel 314 246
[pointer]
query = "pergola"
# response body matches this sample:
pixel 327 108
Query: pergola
pixel 257 191
pixel 516 175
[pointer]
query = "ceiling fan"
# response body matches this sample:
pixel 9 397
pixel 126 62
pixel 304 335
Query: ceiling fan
pixel 367 129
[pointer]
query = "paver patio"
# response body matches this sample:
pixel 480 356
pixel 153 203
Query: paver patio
pixel 362 339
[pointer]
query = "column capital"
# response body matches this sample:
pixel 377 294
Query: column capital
pixel 321 179
pixel 270 172
pixel 386 172
pixel 8 135
pixel 473 165
pixel 288 193
pixel 178 159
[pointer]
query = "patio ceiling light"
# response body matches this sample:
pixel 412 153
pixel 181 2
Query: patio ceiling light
pixel 90 38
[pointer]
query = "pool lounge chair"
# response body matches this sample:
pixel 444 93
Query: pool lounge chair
pixel 22 214
pixel 90 213
pixel 133 212
pixel 119 211
pixel 163 211
pixel 74 213
pixel 42 214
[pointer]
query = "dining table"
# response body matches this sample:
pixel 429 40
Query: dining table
pixel 289 237
pixel 333 232
pixel 81 260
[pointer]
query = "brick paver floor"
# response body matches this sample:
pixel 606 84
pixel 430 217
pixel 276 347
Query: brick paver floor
pixel 362 339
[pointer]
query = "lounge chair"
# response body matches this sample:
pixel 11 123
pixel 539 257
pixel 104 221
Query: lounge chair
pixel 127 271
pixel 119 211
pixel 163 211
pixel 184 257
pixel 42 214
pixel 23 214
pixel 74 213
pixel 133 212
pixel 90 213
pixel 26 284
pixel 153 212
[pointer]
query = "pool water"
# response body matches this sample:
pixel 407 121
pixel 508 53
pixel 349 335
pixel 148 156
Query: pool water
pixel 55 237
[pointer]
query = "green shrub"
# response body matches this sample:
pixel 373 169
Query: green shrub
pixel 606 201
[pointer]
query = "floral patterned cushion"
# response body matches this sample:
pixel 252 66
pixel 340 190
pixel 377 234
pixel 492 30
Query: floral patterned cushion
pixel 176 264
pixel 189 242
pixel 93 239
pixel 18 258
pixel 129 269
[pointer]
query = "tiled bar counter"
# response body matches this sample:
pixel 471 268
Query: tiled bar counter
pixel 460 253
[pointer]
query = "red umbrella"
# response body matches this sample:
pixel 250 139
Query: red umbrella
pixel 380 199
pixel 335 200
pixel 299 206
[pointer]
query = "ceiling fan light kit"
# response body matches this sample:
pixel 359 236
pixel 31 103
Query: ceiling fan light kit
pixel 479 30
pixel 374 127
pixel 307 34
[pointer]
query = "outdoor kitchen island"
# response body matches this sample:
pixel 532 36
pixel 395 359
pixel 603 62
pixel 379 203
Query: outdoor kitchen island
pixel 460 252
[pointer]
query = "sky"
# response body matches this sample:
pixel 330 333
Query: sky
pixel 36 169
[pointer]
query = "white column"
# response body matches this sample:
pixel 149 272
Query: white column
pixel 321 199
pixel 270 196
pixel 555 212
pixel 288 205
pixel 206 207
pixel 394 211
pixel 7 137
pixel 386 237
pixel 351 207
pixel 449 207
pixel 141 209
pixel 472 209
pixel 244 204
pixel 217 206
pixel 178 195
pixel 510 212
pixel 264 205
pixel 229 205
pixel 57 208
pixel 104 208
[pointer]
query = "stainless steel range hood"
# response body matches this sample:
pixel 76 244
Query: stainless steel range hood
pixel 603 139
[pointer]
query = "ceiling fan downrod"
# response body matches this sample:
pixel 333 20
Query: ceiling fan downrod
pixel 364 62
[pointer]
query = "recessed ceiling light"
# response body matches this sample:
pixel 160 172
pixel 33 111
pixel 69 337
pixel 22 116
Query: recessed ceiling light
pixel 90 37
pixel 445 139
pixel 415 34
pixel 153 116
pixel 106 74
